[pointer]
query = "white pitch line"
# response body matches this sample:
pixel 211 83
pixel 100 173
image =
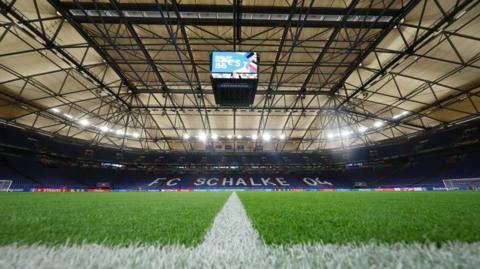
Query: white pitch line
pixel 232 237
pixel 232 242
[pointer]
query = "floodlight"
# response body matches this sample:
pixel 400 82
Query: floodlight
pixel 104 129
pixel 400 115
pixel 331 135
pixel 378 124
pixel 362 129
pixel 345 133
pixel 84 122
pixel 202 137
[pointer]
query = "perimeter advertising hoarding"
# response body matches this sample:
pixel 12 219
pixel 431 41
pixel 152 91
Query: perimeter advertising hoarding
pixel 64 190
pixel 53 190
pixel 218 189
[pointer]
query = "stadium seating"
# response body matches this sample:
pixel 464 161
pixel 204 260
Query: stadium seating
pixel 421 161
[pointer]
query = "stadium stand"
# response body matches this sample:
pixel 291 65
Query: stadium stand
pixel 421 161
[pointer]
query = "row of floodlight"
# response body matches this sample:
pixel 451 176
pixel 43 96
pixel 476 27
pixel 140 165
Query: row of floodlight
pixel 346 133
pixel 362 129
pixel 102 128
pixel 267 137
pixel 202 136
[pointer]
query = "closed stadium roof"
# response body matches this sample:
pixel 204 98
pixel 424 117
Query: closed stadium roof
pixel 333 73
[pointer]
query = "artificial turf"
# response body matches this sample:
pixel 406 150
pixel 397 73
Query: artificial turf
pixel 109 218
pixel 360 217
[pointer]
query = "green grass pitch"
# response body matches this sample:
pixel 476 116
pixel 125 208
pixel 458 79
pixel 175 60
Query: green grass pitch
pixel 280 217
pixel 111 218
pixel 360 217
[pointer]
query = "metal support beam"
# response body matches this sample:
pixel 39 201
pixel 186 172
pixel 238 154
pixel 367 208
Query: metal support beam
pixel 237 25
pixel 319 58
pixel 9 12
pixel 187 45
pixel 322 53
pixel 389 121
pixel 210 92
pixel 384 32
pixel 58 6
pixel 223 15
pixel 150 61
pixel 199 104
pixel 248 9
pixel 361 56
pixel 414 46
pixel 270 95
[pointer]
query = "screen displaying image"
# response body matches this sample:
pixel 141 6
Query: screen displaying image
pixel 237 65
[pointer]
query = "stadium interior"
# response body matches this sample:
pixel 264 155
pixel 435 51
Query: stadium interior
pixel 239 133
pixel 349 90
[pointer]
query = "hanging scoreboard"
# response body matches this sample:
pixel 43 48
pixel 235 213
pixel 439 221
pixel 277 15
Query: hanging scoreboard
pixel 234 77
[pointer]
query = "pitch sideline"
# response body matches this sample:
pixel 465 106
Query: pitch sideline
pixel 232 242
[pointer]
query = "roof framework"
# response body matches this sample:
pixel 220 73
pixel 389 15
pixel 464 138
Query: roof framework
pixel 332 73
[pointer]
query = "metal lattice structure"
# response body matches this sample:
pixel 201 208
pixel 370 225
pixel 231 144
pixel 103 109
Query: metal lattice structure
pixel 333 73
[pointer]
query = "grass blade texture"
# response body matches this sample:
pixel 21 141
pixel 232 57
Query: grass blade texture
pixel 110 218
pixel 359 217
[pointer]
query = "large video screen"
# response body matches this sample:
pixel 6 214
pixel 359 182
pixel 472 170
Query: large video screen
pixel 234 65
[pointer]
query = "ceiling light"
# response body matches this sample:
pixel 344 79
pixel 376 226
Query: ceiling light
pixel 239 136
pixel 345 133
pixel 104 129
pixel 460 14
pixel 214 137
pixel 186 136
pixel 84 122
pixel 331 135
pixel 266 137
pixel 55 110
pixel 400 115
pixel 136 135
pixel 229 136
pixel 362 129
pixel 254 137
pixel 378 124
pixel 120 132
pixel 282 137
pixel 202 137
pixel 68 116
